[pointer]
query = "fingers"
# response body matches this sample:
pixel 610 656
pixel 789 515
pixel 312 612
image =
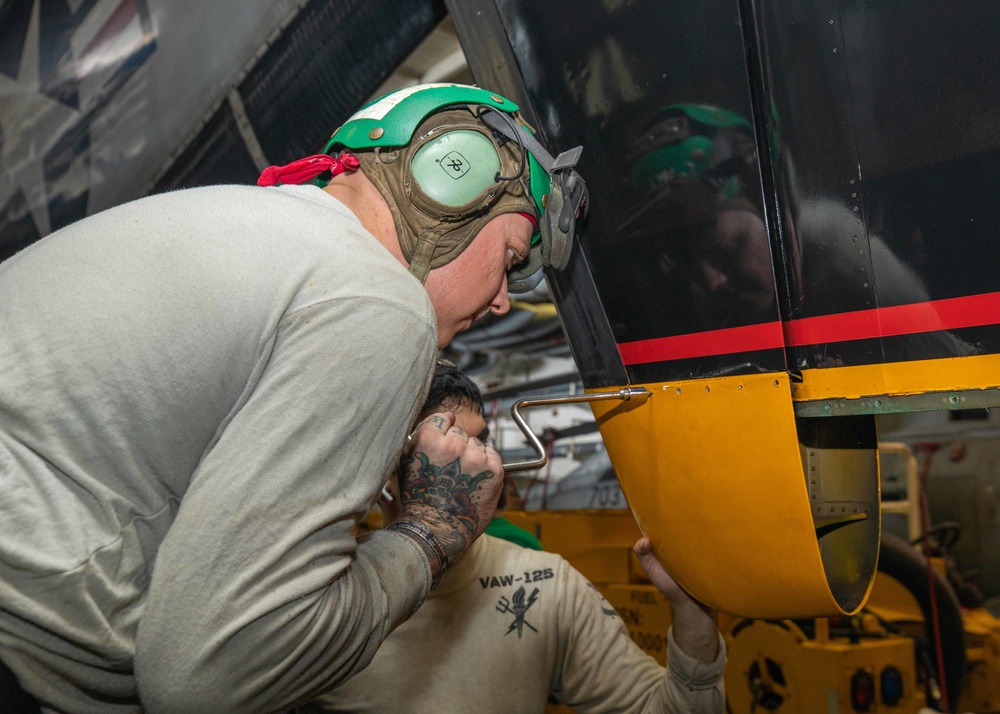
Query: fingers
pixel 662 580
pixel 440 421
pixel 695 625
pixel 443 441
pixel 434 426
pixel 649 562
pixel 477 442
pixel 494 462
pixel 643 547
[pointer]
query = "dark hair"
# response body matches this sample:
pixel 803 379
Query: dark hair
pixel 450 387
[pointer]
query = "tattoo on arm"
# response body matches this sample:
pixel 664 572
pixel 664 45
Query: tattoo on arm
pixel 441 495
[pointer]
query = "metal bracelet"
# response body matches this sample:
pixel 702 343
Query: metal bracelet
pixel 436 546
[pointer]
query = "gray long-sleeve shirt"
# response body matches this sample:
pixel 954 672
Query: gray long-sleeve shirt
pixel 509 625
pixel 214 381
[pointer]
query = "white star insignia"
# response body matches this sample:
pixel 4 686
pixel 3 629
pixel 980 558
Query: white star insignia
pixel 31 123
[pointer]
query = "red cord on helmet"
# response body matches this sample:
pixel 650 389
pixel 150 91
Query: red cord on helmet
pixel 302 170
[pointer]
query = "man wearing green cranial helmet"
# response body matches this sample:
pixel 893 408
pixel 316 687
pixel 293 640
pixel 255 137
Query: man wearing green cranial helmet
pixel 222 392
pixel 449 158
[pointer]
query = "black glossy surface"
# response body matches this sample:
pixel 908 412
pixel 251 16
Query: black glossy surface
pixel 600 75
pixel 887 117
pixel 855 164
pixel 493 64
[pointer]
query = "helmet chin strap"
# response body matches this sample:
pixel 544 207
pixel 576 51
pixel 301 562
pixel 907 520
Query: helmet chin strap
pixel 420 261
pixel 427 247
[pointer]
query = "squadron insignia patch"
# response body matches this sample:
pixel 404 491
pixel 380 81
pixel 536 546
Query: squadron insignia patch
pixel 518 607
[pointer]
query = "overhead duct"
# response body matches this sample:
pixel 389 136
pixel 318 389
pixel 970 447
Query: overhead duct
pixel 105 109
pixel 329 60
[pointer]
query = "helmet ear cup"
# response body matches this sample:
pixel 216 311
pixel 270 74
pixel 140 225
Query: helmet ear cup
pixel 455 167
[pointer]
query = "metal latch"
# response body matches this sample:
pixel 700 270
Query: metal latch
pixel 627 394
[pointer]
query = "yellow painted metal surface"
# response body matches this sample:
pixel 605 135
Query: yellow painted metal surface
pixel 890 600
pixel 598 543
pixel 713 473
pixel 899 378
pixel 981 687
pixel 810 676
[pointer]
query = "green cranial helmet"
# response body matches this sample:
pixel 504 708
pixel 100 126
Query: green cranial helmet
pixel 448 158
pixel 693 141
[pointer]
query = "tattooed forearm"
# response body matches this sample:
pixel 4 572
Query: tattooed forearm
pixel 445 488
pixel 454 539
pixel 444 498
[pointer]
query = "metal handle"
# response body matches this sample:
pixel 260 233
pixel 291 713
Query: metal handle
pixel 626 394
